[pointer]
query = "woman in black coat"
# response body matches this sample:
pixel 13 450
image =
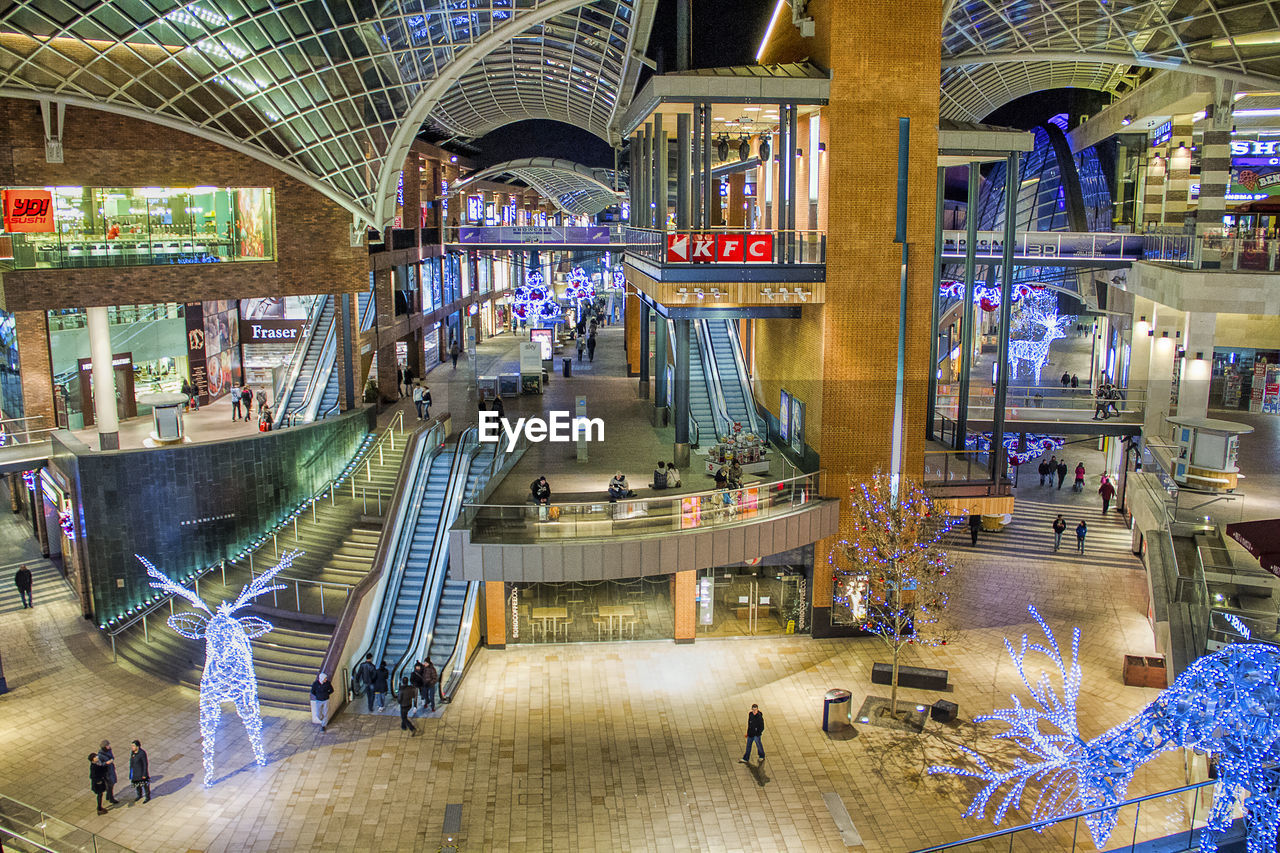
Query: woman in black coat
pixel 108 762
pixel 97 779
pixel 139 773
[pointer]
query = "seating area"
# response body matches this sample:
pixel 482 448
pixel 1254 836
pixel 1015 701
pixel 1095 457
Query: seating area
pixel 598 611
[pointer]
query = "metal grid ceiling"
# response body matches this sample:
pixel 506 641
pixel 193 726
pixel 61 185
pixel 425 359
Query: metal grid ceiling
pixel 330 91
pixel 573 187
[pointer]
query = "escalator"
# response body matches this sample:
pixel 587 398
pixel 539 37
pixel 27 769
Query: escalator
pixel 730 374
pixel 309 356
pixel 702 419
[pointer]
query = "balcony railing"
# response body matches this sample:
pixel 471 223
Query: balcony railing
pixel 1247 254
pixel 532 524
pixel 789 247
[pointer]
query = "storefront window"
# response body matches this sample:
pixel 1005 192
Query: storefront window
pixel 590 611
pixel 752 601
pixel 144 226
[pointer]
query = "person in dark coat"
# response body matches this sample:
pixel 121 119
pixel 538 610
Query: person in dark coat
pixel 1043 469
pixel 591 343
pixel 975 524
pixel 408 696
pixel 1059 527
pixel 500 408
pixel 430 678
pixel 366 673
pixel 321 690
pixel 1107 491
pixel 108 762
pixel 418 681
pixel 755 728
pixel 1066 379
pixel 22 580
pixel 1082 530
pixel 381 684
pixel 541 490
pixel 1075 381
pixel 97 779
pixel 139 773
pixel 1062 472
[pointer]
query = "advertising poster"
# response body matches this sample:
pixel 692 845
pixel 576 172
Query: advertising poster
pixel 221 346
pixel 274 320
pixel 690 512
pixel 784 417
pixel 251 222
pixel 195 348
pixel 1255 170
pixel 797 425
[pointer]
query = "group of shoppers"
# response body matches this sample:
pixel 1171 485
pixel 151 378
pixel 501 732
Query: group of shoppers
pixel 1104 402
pixel 666 476
pixel 418 693
pixel 103 778
pixel 1055 467
pixel 1060 527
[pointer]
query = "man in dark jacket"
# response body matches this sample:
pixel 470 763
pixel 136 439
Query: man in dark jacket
pixel 755 728
pixel 366 672
pixel 1107 491
pixel 418 681
pixel 541 490
pixel 1043 469
pixel 381 684
pixel 108 762
pixel 22 580
pixel 139 773
pixel 321 690
pixel 430 678
pixel 1061 472
pixel 408 696
pixel 97 779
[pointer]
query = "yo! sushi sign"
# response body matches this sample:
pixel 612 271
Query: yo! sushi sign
pixel 28 211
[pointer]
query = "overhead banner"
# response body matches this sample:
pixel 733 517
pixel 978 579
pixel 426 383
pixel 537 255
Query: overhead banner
pixel 578 234
pixel 28 211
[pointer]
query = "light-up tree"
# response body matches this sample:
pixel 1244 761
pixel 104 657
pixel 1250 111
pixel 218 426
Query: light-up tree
pixel 891 572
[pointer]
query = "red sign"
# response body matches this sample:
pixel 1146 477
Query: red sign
pixel 27 211
pixel 704 248
pixel 759 249
pixel 730 248
pixel 677 248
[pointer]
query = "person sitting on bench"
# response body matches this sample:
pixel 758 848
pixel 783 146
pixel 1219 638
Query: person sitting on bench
pixel 618 488
pixel 673 476
pixel 660 476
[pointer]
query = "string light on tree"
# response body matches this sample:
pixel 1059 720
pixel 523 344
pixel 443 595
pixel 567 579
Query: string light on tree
pixel 1226 704
pixel 228 670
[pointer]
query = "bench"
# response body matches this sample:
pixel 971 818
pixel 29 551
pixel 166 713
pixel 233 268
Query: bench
pixel 919 677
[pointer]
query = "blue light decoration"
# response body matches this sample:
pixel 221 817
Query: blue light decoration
pixel 580 288
pixel 534 301
pixel 67 523
pixel 1037 445
pixel 988 298
pixel 619 278
pixel 1226 704
pixel 228 670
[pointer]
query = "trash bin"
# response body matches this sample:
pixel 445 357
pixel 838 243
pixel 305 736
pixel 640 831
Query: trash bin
pixel 839 716
pixel 567 364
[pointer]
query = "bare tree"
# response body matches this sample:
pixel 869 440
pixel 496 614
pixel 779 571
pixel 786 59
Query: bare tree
pixel 891 573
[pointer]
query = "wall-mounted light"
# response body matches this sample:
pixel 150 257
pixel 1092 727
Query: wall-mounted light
pixel 1199 356
pixel 1142 319
pixel 1164 334
pixel 1126 121
pixel 799 152
pixel 822 146
pixel 1151 333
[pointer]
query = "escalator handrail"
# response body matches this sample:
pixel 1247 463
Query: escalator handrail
pixel 452 669
pixel 398 549
pixel 322 374
pixel 744 384
pixel 439 540
pixel 368 313
pixel 299 354
pixel 715 396
pixel 694 430
pixel 424 436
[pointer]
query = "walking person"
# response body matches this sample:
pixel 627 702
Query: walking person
pixel 246 396
pixel 418 681
pixel 1107 491
pixel 108 761
pixel 400 374
pixel 591 343
pixel 321 690
pixel 1043 470
pixel 236 401
pixel 381 684
pixel 1059 527
pixel 1075 382
pixel 1079 484
pixel 454 349
pixel 408 695
pixel 409 378
pixel 430 679
pixel 755 728
pixel 139 772
pixel 22 580
pixel 1081 530
pixel 417 399
pixel 500 408
pixel 1066 379
pixel 975 524
pixel 1062 472
pixel 366 673
pixel 582 344
pixel 262 400
pixel 97 779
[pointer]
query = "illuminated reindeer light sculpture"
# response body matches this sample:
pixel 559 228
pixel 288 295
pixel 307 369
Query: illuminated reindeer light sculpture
pixel 228 669
pixel 1226 704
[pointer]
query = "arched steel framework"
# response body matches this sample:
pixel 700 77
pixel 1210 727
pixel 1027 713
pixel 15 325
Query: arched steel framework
pixel 573 187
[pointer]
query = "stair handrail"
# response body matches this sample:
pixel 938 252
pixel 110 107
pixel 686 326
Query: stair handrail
pixel 711 373
pixel 326 490
pixel 428 434
pixel 439 546
pixel 282 394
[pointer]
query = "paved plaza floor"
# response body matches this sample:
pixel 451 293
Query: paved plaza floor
pixel 624 746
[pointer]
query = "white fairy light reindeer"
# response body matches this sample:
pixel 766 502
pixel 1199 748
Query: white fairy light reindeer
pixel 1036 352
pixel 228 669
pixel 1226 704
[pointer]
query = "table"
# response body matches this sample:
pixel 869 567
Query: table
pixel 549 614
pixel 620 612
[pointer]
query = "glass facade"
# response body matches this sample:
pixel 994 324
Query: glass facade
pixel 753 601
pixel 10 379
pixel 143 226
pixel 590 611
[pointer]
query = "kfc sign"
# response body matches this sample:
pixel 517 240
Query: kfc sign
pixel 720 248
pixel 27 211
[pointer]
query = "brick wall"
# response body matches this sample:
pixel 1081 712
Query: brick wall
pixel 788 354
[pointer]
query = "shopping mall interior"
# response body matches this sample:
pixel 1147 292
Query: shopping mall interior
pixel 580 349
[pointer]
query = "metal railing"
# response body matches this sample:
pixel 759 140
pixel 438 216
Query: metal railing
pixel 25 827
pixel 1167 814
pixel 788 247
pixel 1255 254
pixel 535 234
pixel 512 524
pixel 245 556
pixel 956 466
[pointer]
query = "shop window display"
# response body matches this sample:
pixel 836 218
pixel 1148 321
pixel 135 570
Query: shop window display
pixel 590 611
pixel 144 226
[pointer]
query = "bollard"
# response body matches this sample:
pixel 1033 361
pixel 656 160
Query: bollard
pixel 295 528
pixel 223 564
pixel 297 596
pixel 276 542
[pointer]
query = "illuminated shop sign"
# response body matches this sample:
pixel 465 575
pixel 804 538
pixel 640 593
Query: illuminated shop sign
pixel 720 248
pixel 271 331
pixel 1255 148
pixel 1254 178
pixel 28 211
pixel 1162 134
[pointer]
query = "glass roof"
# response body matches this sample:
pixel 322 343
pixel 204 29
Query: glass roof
pixel 331 91
pixel 994 51
pixel 572 187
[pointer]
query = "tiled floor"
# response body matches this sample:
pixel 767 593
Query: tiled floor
pixel 581 747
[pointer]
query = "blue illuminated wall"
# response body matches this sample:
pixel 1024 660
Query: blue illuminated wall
pixel 186 507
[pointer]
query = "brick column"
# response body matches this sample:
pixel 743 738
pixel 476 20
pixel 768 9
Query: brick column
pixel 1153 191
pixel 35 366
pixel 1215 175
pixel 684 590
pixel 1177 188
pixel 495 614
pixel 412 207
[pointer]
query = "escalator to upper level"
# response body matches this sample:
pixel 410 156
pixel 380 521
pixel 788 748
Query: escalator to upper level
pixel 728 374
pixel 702 417
pixel 312 391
